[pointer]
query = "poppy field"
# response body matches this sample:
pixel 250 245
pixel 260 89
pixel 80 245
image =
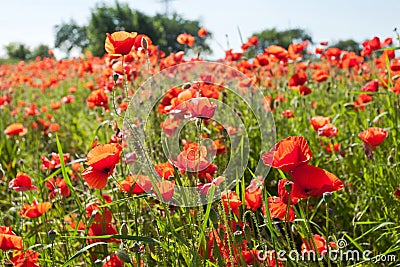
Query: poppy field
pixel 273 157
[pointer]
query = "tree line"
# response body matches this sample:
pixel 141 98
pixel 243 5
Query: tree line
pixel 162 29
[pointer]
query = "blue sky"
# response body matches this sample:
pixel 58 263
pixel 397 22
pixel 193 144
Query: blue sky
pixel 32 21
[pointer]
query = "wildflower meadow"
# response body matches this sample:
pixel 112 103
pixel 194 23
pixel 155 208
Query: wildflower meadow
pixel 272 157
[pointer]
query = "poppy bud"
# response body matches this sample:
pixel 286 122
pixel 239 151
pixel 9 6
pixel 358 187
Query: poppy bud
pixel 123 256
pixel 124 231
pixel 390 160
pixel 288 186
pixel 214 217
pixel 115 77
pixel 51 235
pixel 238 235
pixel 349 105
pixel 144 43
pixel 327 196
pixel 137 248
pixel 247 232
pixel 98 263
pixel 186 86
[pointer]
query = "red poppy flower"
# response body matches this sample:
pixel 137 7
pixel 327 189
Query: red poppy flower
pixel 140 39
pixel 232 56
pixel 193 158
pixel 202 32
pixel 101 160
pixel 120 43
pixel 362 99
pixel 289 113
pixel 97 98
pixel 114 261
pixel 165 170
pixel 284 194
pixel 16 129
pixel 27 258
pixel 373 136
pixel 395 65
pixel 34 210
pixel 21 183
pixel 54 162
pixel 57 186
pixel 371 86
pixel 303 90
pixel 55 105
pixel 96 178
pixel 204 188
pixel 231 201
pixel 333 148
pixel 328 130
pixel 252 41
pixel 253 195
pixel 199 107
pixel 320 76
pixel 333 54
pixel 313 181
pixel 101 215
pixel 166 189
pixel 9 240
pixel 396 193
pixel 185 38
pixel 208 90
pixel 320 243
pixel 136 184
pixel 319 122
pixel 279 210
pixel 208 172
pixel 99 229
pixel 278 51
pixel 288 154
pixel 261 60
pixel 319 50
pixel 169 126
pixel 298 78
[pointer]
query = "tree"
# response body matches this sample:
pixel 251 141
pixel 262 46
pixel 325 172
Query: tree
pixel 168 29
pixel 69 36
pixel 18 51
pixel 161 29
pixel 41 51
pixel 348 45
pixel 282 38
pixel 106 19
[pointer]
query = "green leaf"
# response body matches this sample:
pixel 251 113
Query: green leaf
pixel 76 255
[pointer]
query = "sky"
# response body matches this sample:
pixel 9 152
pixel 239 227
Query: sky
pixel 32 21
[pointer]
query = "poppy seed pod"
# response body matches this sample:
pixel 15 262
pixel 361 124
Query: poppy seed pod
pixel 288 186
pixel 51 235
pixel 123 255
pixel 144 43
pixel 327 196
pixel 124 231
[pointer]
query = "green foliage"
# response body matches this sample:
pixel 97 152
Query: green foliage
pixel 108 19
pixel 167 29
pixel 105 19
pixel 18 51
pixel 283 38
pixel 41 51
pixel 348 45
pixel 69 36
